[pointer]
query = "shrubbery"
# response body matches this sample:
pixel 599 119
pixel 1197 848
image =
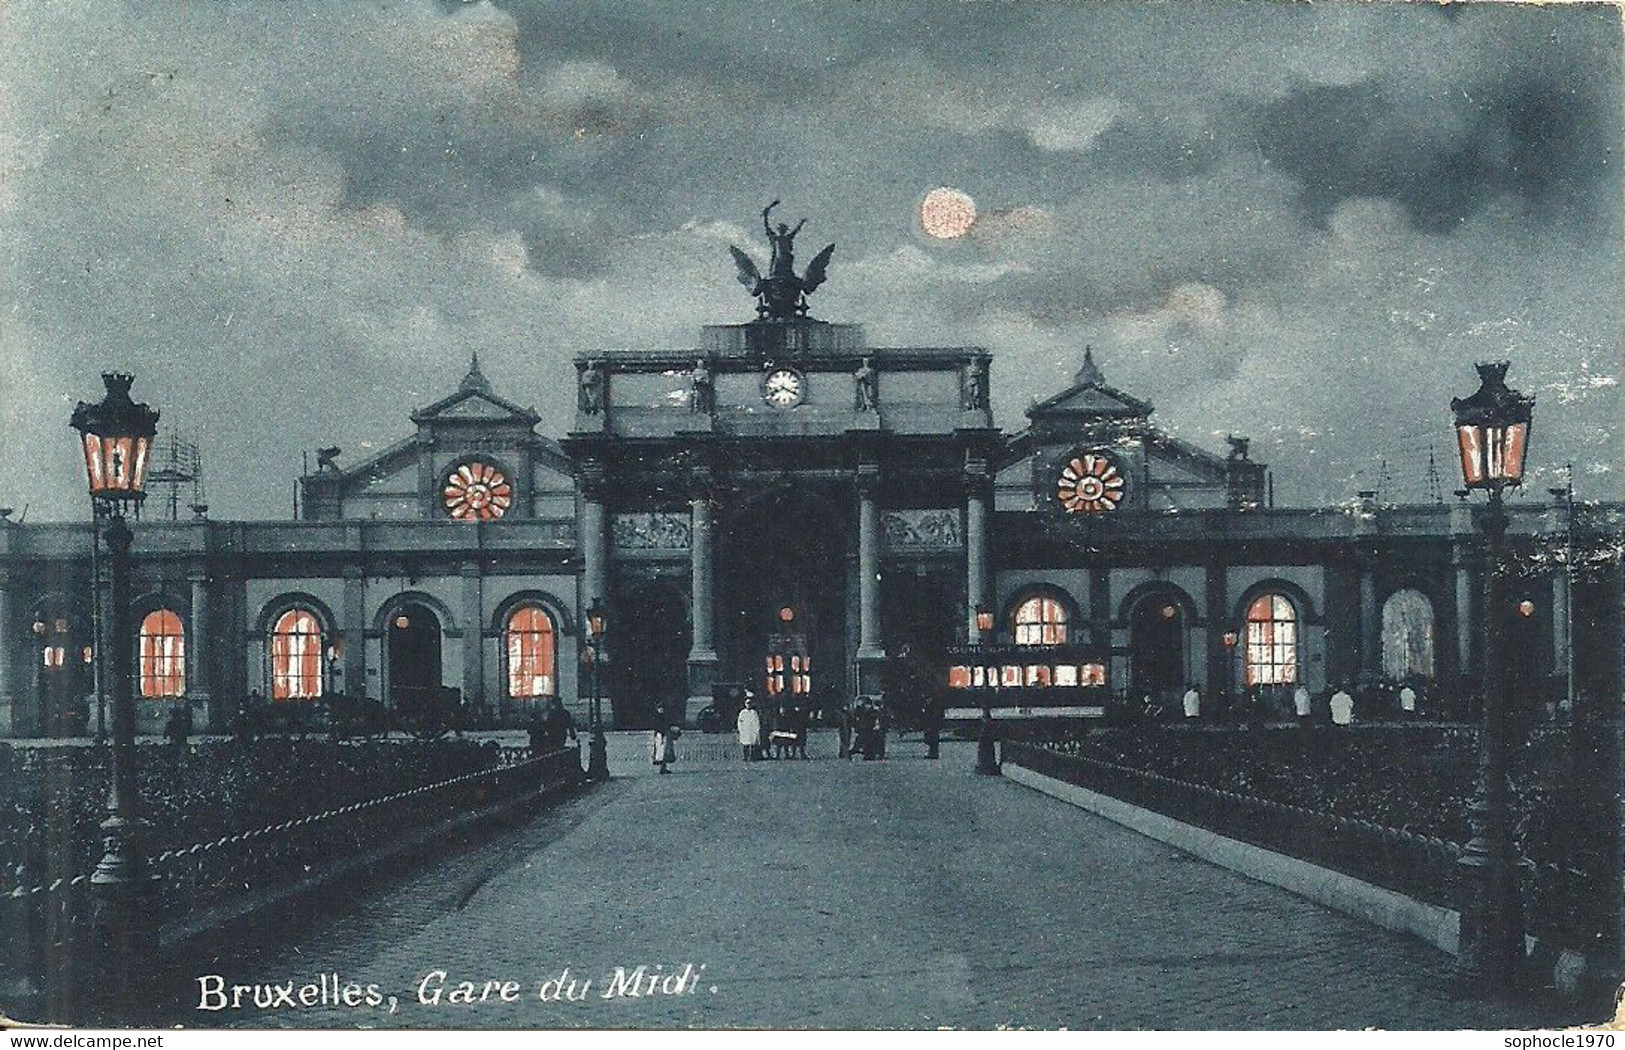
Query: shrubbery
pixel 54 797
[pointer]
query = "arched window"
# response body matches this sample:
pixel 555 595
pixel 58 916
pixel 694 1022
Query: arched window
pixel 296 656
pixel 1040 621
pixel 163 655
pixel 529 637
pixel 1272 641
pixel 1407 636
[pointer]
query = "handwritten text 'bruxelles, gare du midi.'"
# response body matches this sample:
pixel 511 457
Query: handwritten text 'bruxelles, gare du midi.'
pixel 440 989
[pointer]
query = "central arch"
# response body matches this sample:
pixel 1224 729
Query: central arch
pixel 783 591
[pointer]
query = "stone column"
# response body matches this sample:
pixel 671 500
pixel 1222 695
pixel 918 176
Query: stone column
pixel 594 552
pixel 473 636
pixel 871 651
pixel 353 631
pixel 199 670
pixel 1100 611
pixel 1370 621
pixel 702 655
pixel 1220 658
pixel 8 722
pixel 1557 527
pixel 975 558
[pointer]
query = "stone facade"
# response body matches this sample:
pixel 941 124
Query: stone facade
pixel 785 491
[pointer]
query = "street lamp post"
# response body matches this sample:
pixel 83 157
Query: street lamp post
pixel 597 747
pixel 1492 432
pixel 1231 641
pixel 116 435
pixel 987 759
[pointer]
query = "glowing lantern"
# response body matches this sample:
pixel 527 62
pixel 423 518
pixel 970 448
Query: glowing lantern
pixel 1492 430
pixel 117 435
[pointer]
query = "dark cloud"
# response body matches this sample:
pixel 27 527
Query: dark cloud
pixel 295 223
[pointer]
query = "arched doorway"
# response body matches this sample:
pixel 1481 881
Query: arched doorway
pixel 648 642
pixel 412 656
pixel 1157 647
pixel 786 550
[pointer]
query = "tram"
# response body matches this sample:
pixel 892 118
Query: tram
pixel 1025 682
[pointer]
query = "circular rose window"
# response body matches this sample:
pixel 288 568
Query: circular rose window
pixel 1089 484
pixel 478 492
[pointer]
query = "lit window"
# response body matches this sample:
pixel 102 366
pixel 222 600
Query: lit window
pixel 296 656
pixel 163 655
pixel 530 653
pixel 1066 674
pixel 1011 676
pixel 1092 674
pixel 1272 641
pixel 55 656
pixel 477 492
pixel 1040 621
pixel 958 677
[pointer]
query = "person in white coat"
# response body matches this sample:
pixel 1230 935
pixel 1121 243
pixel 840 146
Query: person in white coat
pixel 1300 703
pixel 750 728
pixel 1342 705
pixel 1193 702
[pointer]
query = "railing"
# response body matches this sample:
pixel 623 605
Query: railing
pixel 44 930
pixel 1416 865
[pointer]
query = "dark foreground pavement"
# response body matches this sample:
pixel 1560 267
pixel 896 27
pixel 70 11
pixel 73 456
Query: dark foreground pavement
pixel 902 893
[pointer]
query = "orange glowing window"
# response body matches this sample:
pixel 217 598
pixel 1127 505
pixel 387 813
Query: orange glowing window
pixel 1272 641
pixel 1040 621
pixel 296 656
pixel 529 637
pixel 162 654
pixel 477 492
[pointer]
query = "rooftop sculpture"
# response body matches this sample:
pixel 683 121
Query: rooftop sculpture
pixel 781 295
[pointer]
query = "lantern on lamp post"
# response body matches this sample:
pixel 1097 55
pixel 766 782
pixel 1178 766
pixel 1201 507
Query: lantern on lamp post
pixel 116 436
pixel 1492 436
pixel 597 746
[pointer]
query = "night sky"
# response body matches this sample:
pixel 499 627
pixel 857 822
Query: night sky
pixel 1304 224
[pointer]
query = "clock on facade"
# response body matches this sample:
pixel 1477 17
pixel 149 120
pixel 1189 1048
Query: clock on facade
pixel 1089 484
pixel 783 387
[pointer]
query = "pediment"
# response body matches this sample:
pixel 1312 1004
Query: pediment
pixel 475 405
pixel 1091 400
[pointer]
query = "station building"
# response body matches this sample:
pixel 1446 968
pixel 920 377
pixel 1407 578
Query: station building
pixel 785 507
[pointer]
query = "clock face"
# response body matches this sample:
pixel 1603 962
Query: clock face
pixel 783 387
pixel 1089 484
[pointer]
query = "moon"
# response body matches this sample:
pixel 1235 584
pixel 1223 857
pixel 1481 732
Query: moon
pixel 947 213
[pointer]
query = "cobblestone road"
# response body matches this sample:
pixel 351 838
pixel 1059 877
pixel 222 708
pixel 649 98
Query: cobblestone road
pixel 902 893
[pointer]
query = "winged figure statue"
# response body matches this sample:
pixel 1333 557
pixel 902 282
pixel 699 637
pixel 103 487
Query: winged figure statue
pixel 781 295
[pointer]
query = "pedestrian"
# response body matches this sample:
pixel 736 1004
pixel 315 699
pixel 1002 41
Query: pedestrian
pixel 844 729
pixel 1300 704
pixel 934 717
pixel 800 723
pixel 558 727
pixel 1193 702
pixel 750 728
pixel 663 751
pixel 1342 705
